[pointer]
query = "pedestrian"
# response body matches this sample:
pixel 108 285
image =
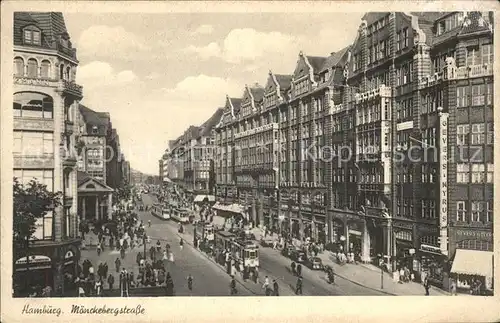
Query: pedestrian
pixel 453 287
pixel 298 287
pixel 118 264
pixel 181 243
pixel 232 286
pixel 169 285
pixel 190 282
pixel 122 252
pixel 427 286
pixel 98 286
pixel 276 288
pixel 111 281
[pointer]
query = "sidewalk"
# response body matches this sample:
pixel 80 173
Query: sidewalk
pixel 368 276
pixel 254 288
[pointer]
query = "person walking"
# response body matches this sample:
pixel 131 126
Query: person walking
pixel 298 287
pixel 181 244
pixel 232 286
pixel 276 291
pixel 427 286
pixel 190 282
pixel 98 248
pixel 453 287
pixel 111 281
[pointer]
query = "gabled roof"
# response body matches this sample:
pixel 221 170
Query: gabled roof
pixel 85 179
pixel 430 16
pixel 316 62
pixel 236 102
pixel 207 126
pixel 93 118
pixel 474 25
pixel 334 59
pixel 257 93
pixel 371 17
pixel 284 81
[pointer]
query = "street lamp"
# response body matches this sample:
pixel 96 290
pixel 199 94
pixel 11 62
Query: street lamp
pixel 381 262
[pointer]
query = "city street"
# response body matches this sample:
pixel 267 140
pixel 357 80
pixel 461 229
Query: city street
pixel 272 264
pixel 209 279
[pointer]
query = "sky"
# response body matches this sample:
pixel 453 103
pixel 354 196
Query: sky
pixel 157 74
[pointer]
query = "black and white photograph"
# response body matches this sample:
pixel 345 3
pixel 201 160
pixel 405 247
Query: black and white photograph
pixel 201 154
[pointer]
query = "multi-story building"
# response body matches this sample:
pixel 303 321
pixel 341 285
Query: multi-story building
pixel 422 112
pixel 202 172
pixel 46 100
pixel 160 167
pixel 94 196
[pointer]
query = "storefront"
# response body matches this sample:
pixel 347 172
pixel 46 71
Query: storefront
pixel 35 272
pixel 431 261
pixel 403 243
pixel 472 266
pixel 355 237
pixel 227 215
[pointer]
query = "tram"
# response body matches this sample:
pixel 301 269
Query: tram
pixel 246 252
pixel 160 211
pixel 180 215
pixel 204 231
pixel 224 240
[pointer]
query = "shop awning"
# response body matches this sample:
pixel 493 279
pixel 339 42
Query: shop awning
pixel 200 198
pixel 219 221
pixel 473 262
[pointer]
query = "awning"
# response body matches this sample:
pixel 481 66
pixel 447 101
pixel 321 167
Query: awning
pixel 473 262
pixel 219 221
pixel 234 208
pixel 200 198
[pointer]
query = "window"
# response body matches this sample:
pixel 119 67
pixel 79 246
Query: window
pixel 489 212
pixel 27 36
pixel 477 173
pixel 424 209
pixel 36 37
pixel 489 173
pixel 477 95
pixel 461 211
pixel 489 93
pixel 472 56
pixel 487 54
pixel 489 133
pixel 32 68
pixel 33 105
pixel 463 134
pixel 32 36
pixel 477 136
pixel 463 173
pixel 45 69
pixel 432 209
pixel 477 209
pixel 462 96
pixel 18 66
pixel 405 37
pixel 398 41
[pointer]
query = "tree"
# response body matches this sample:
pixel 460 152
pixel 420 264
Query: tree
pixel 31 202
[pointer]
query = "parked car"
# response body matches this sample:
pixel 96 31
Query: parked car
pixel 288 251
pixel 314 263
pixel 298 256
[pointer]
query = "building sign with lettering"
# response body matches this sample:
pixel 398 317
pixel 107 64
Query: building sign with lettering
pixel 474 234
pixel 443 182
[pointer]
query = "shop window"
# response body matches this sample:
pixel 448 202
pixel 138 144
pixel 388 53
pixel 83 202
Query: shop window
pixel 461 211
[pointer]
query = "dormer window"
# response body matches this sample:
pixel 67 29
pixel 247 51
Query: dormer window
pixel 94 130
pixel 32 36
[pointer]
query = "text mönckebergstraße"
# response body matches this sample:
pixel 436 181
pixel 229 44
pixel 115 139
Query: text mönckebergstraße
pixel 80 309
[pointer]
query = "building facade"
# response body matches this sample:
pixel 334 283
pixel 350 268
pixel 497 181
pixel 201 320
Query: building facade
pixel 46 100
pixel 383 149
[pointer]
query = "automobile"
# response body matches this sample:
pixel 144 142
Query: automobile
pixel 314 263
pixel 298 256
pixel 288 251
pixel 266 242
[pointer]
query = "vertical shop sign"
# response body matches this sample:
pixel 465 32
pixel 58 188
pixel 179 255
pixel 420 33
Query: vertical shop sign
pixel 443 182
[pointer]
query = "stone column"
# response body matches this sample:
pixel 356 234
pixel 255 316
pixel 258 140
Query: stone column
pixel 84 210
pixel 110 202
pixel 97 207
pixel 365 252
pixel 346 235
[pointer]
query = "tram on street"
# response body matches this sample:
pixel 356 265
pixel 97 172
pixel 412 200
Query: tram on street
pixel 204 231
pixel 224 240
pixel 160 211
pixel 180 215
pixel 245 252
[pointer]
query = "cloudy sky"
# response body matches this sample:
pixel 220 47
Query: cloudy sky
pixel 159 73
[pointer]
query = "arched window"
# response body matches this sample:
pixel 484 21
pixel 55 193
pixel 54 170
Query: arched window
pixel 61 71
pixel 68 73
pixel 45 69
pixel 33 105
pixel 32 68
pixel 18 66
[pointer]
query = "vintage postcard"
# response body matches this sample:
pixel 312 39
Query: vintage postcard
pixel 208 161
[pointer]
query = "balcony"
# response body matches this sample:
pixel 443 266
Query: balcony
pixel 382 91
pixel 67 157
pixel 472 71
pixel 431 80
pixel 335 108
pixel 71 88
pixel 34 162
pixel 35 81
pixel 38 124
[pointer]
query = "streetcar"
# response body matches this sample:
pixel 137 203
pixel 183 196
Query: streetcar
pixel 224 240
pixel 181 215
pixel 165 213
pixel 245 252
pixel 160 211
pixel 204 231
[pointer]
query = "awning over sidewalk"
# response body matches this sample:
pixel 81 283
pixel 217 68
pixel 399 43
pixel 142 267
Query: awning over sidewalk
pixel 234 208
pixel 200 198
pixel 473 262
